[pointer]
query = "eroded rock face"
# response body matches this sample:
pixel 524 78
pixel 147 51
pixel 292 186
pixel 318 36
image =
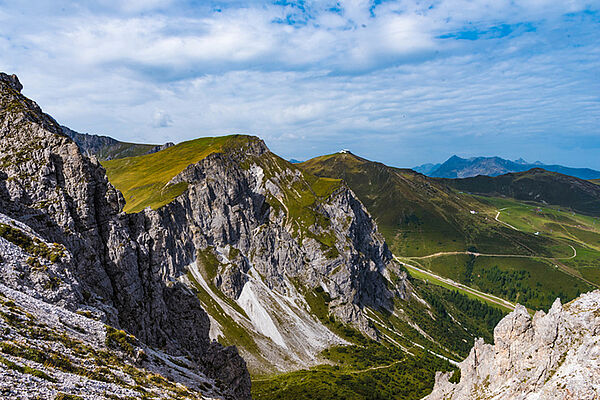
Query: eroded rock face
pixel 132 268
pixel 549 356
pixel 124 265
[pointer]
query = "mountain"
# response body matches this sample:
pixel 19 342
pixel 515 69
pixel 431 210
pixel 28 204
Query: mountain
pixel 433 226
pixel 66 243
pixel 167 266
pixel 537 185
pixel 419 215
pixel 456 167
pixel 107 148
pixel 549 356
pixel 426 169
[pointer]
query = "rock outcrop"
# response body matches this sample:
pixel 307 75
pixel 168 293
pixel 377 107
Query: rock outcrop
pixel 123 266
pixel 248 240
pixel 107 148
pixel 550 356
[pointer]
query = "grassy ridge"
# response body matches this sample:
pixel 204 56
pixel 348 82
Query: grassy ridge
pixel 143 180
pixel 420 216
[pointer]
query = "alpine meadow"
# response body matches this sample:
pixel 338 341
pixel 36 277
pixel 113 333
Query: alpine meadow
pixel 300 200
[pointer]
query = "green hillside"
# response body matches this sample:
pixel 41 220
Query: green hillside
pixel 522 253
pixel 143 180
pixel 536 185
pixel 419 216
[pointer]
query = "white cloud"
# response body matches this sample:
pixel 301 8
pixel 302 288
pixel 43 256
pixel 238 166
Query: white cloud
pixel 379 80
pixel 161 119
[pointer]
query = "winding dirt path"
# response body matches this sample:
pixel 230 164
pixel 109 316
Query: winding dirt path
pixel 477 254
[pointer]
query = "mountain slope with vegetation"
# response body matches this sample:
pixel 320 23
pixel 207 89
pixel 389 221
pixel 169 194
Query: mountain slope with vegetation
pixel 537 185
pixel 459 236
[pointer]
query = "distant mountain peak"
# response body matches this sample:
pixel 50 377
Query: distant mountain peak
pixel 521 161
pixel 457 167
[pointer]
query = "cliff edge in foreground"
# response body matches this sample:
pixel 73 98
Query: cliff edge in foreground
pixel 549 356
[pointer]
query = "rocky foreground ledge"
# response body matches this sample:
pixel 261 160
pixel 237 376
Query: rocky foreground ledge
pixel 549 356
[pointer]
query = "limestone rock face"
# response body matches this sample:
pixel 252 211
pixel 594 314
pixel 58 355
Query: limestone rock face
pixel 232 234
pixel 549 356
pixel 123 266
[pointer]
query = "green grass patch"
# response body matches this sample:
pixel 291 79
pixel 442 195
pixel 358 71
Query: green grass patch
pixel 32 245
pixel 412 378
pixel 24 369
pixel 143 179
pixel 121 340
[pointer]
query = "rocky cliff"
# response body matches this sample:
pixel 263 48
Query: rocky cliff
pixel 249 238
pixel 107 148
pixel 549 356
pixel 254 235
pixel 88 253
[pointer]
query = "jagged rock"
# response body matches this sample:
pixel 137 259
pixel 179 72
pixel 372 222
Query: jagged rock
pixel 12 81
pixel 125 265
pixel 48 350
pixel 552 356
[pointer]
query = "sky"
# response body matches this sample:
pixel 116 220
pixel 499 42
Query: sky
pixel 403 82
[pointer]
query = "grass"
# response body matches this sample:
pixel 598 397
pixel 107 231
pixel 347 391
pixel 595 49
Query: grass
pixel 24 369
pixel 412 378
pixel 434 281
pixel 143 180
pixel 31 245
pixel 119 339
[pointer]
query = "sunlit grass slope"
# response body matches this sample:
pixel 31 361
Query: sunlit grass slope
pixel 143 180
pixel 419 216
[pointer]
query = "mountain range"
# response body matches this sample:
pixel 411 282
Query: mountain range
pixel 457 167
pixel 215 269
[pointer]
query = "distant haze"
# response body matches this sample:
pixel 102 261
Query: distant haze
pixel 402 82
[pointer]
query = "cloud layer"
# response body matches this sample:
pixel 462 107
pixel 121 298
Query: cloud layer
pixel 403 82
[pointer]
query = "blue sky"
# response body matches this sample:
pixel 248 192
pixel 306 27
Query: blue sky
pixel 403 82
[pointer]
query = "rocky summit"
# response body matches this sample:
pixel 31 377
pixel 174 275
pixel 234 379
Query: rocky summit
pixel 242 235
pixel 67 243
pixel 550 356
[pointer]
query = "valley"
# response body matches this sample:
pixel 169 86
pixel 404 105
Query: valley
pixel 335 278
pixel 522 252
